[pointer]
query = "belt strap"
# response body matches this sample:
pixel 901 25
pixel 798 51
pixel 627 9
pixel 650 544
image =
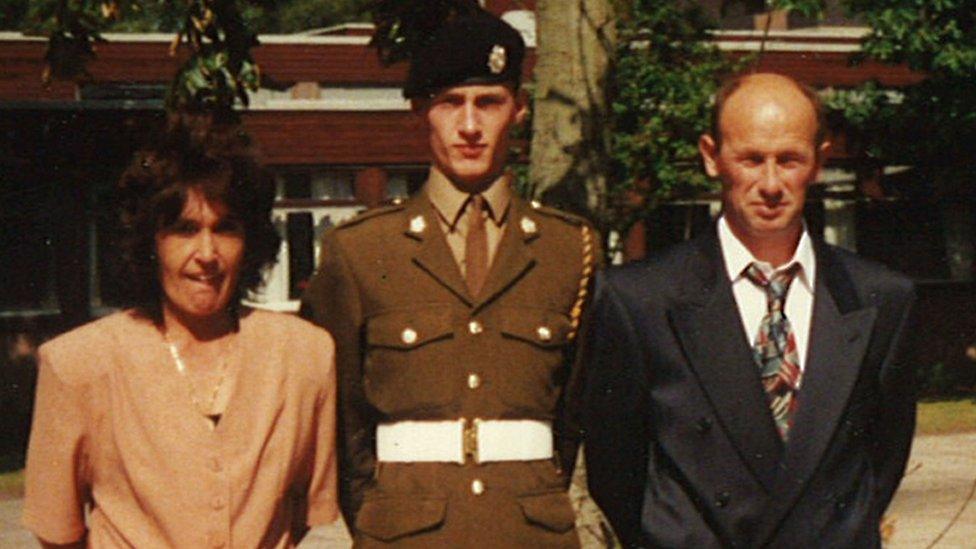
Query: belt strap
pixel 456 440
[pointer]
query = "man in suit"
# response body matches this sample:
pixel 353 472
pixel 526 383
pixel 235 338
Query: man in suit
pixel 749 388
pixel 454 317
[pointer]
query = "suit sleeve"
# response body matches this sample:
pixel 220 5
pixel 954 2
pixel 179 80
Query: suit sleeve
pixel 56 484
pixel 568 414
pixel 896 414
pixel 332 301
pixel 615 435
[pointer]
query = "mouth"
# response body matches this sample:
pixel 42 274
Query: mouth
pixel 470 151
pixel 208 279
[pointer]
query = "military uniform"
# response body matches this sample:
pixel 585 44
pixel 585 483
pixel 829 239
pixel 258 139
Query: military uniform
pixel 414 345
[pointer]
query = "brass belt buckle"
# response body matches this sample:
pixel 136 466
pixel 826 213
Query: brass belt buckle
pixel 469 439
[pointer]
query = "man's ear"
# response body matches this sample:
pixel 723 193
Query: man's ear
pixel 709 152
pixel 822 151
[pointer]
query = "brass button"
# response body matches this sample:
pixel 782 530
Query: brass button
pixel 477 487
pixel 544 333
pixel 409 336
pixel 475 327
pixel 474 381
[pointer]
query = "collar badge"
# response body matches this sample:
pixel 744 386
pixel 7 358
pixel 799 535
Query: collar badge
pixel 418 224
pixel 497 59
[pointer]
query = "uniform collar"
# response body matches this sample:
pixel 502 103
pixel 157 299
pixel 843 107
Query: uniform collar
pixel 449 202
pixel 737 257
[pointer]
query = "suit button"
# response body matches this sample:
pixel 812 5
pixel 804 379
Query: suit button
pixel 474 381
pixel 475 327
pixel 477 487
pixel 703 425
pixel 408 335
pixel 722 499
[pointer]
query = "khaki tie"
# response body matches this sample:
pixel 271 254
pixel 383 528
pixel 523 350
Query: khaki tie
pixel 476 246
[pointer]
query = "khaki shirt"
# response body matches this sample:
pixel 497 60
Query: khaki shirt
pixel 115 431
pixel 453 209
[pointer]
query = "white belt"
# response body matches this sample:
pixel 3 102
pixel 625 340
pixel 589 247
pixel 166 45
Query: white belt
pixel 454 440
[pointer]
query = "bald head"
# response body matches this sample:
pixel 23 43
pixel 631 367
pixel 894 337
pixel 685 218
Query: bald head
pixel 749 90
pixel 767 148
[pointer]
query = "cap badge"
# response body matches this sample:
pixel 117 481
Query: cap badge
pixel 528 226
pixel 497 59
pixel 418 224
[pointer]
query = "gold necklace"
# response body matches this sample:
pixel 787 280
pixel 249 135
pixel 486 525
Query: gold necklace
pixel 182 369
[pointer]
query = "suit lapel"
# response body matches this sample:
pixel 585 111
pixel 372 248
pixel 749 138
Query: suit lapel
pixel 514 256
pixel 839 335
pixel 709 329
pixel 433 256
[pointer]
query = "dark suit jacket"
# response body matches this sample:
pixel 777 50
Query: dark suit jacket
pixel 681 447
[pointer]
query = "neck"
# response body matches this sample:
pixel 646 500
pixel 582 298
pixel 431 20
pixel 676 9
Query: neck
pixel 181 327
pixel 472 187
pixel 775 249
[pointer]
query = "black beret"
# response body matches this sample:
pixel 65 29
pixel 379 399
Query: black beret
pixel 472 49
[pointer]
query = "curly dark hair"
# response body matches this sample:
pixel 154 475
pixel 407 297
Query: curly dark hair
pixel 192 154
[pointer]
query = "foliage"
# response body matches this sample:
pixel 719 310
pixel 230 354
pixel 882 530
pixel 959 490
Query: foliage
pixel 932 124
pixel 667 72
pixel 403 26
pixel 219 33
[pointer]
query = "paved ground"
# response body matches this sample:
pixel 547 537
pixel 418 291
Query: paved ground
pixel 942 472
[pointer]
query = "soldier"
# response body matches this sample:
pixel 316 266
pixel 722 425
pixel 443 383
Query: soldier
pixel 454 316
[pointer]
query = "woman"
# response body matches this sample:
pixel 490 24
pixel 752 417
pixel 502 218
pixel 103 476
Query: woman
pixel 187 420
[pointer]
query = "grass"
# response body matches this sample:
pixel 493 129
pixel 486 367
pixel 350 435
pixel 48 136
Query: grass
pixel 942 417
pixel 12 484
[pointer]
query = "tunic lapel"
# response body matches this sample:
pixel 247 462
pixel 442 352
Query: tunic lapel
pixel 709 330
pixel 433 256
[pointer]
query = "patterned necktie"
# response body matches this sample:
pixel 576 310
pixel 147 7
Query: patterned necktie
pixel 476 246
pixel 775 347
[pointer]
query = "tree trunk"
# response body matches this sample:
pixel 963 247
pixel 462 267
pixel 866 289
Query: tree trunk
pixel 570 140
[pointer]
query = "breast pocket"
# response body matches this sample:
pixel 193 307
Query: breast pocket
pixel 532 357
pixel 409 356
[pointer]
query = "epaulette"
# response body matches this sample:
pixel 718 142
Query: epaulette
pixel 370 214
pixel 572 219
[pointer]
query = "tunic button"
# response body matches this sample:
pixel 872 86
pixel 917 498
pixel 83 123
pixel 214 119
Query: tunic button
pixel 408 336
pixel 217 502
pixel 475 327
pixel 477 487
pixel 544 333
pixel 474 381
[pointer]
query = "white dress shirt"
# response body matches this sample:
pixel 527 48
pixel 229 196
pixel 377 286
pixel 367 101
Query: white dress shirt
pixel 751 299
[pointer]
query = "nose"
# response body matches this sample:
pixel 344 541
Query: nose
pixel 206 247
pixel 770 184
pixel 470 127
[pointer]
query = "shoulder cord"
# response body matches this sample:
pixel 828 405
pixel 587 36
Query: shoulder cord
pixel 576 313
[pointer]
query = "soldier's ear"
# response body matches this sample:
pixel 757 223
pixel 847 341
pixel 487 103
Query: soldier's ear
pixel 709 152
pixel 521 106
